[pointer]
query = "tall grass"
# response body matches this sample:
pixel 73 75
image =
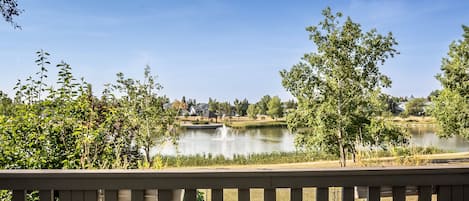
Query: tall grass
pixel 404 155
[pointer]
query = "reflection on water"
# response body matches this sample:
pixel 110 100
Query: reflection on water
pixel 425 136
pixel 261 140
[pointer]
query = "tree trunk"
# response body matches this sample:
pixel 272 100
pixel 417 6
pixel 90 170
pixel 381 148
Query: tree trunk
pixel 343 155
pixel 147 154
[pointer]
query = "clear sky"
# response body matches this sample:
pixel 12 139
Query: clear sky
pixel 219 49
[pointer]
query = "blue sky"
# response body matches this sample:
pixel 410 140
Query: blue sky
pixel 219 49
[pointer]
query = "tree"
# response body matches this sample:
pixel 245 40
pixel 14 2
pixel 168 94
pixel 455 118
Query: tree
pixel 262 104
pixel 434 94
pixel 275 108
pixel 244 107
pixel 65 126
pixel 338 89
pixel 179 106
pixel 6 104
pixel 415 107
pixel 253 111
pixel 213 107
pixel 9 9
pixel 225 108
pixel 237 107
pixel 241 107
pixel 451 106
pixel 291 104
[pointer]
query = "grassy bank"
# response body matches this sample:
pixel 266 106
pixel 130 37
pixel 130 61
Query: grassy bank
pixel 257 124
pixel 413 120
pixel 267 122
pixel 365 158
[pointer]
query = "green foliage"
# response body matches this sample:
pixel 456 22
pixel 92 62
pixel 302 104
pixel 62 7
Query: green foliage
pixel 291 104
pixel 262 158
pixel 200 196
pixel 434 94
pixel 152 123
pixel 213 105
pixel 253 111
pixel 416 107
pixel 6 104
pixel 263 104
pixel 338 88
pixel 451 106
pixel 257 124
pixel 286 157
pixel 275 108
pixel 225 108
pixel 9 10
pixel 241 107
pixel 66 126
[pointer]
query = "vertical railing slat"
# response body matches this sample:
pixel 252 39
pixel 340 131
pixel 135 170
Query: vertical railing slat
pixel 398 193
pixel 65 195
pixel 111 195
pixel 137 195
pixel 244 194
pixel 425 193
pixel 348 194
pixel 466 192
pixel 190 195
pixel 374 193
pixel 457 193
pixel 322 194
pixel 165 194
pixel 444 193
pixel 77 195
pixel 217 194
pixel 19 195
pixel 91 195
pixel 269 194
pixel 296 194
pixel 46 195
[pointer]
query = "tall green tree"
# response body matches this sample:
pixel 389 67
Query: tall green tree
pixel 338 88
pixel 66 126
pixel 275 108
pixel 291 104
pixel 451 106
pixel 225 108
pixel 262 104
pixel 153 123
pixel 253 111
pixel 237 107
pixel 415 107
pixel 214 107
pixel 6 104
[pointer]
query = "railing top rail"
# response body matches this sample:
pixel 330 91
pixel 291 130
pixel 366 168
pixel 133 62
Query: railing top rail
pixel 232 178
pixel 224 172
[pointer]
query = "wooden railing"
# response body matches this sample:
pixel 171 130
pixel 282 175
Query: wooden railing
pixel 449 183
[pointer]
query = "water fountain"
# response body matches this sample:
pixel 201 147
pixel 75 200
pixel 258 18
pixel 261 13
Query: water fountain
pixel 223 133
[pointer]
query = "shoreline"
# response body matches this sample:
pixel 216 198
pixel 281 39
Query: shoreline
pixel 267 122
pixel 381 162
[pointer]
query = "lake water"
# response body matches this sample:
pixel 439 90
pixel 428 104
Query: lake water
pixel 228 141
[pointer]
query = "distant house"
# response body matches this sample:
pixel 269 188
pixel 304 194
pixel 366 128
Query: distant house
pixel 400 107
pixel 201 109
pixel 167 106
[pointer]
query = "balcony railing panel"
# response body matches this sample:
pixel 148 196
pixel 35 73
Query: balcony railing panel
pixel 450 183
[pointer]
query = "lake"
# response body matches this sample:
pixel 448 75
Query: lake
pixel 227 142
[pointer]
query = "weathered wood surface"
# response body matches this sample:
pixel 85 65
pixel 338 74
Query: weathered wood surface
pixel 244 179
